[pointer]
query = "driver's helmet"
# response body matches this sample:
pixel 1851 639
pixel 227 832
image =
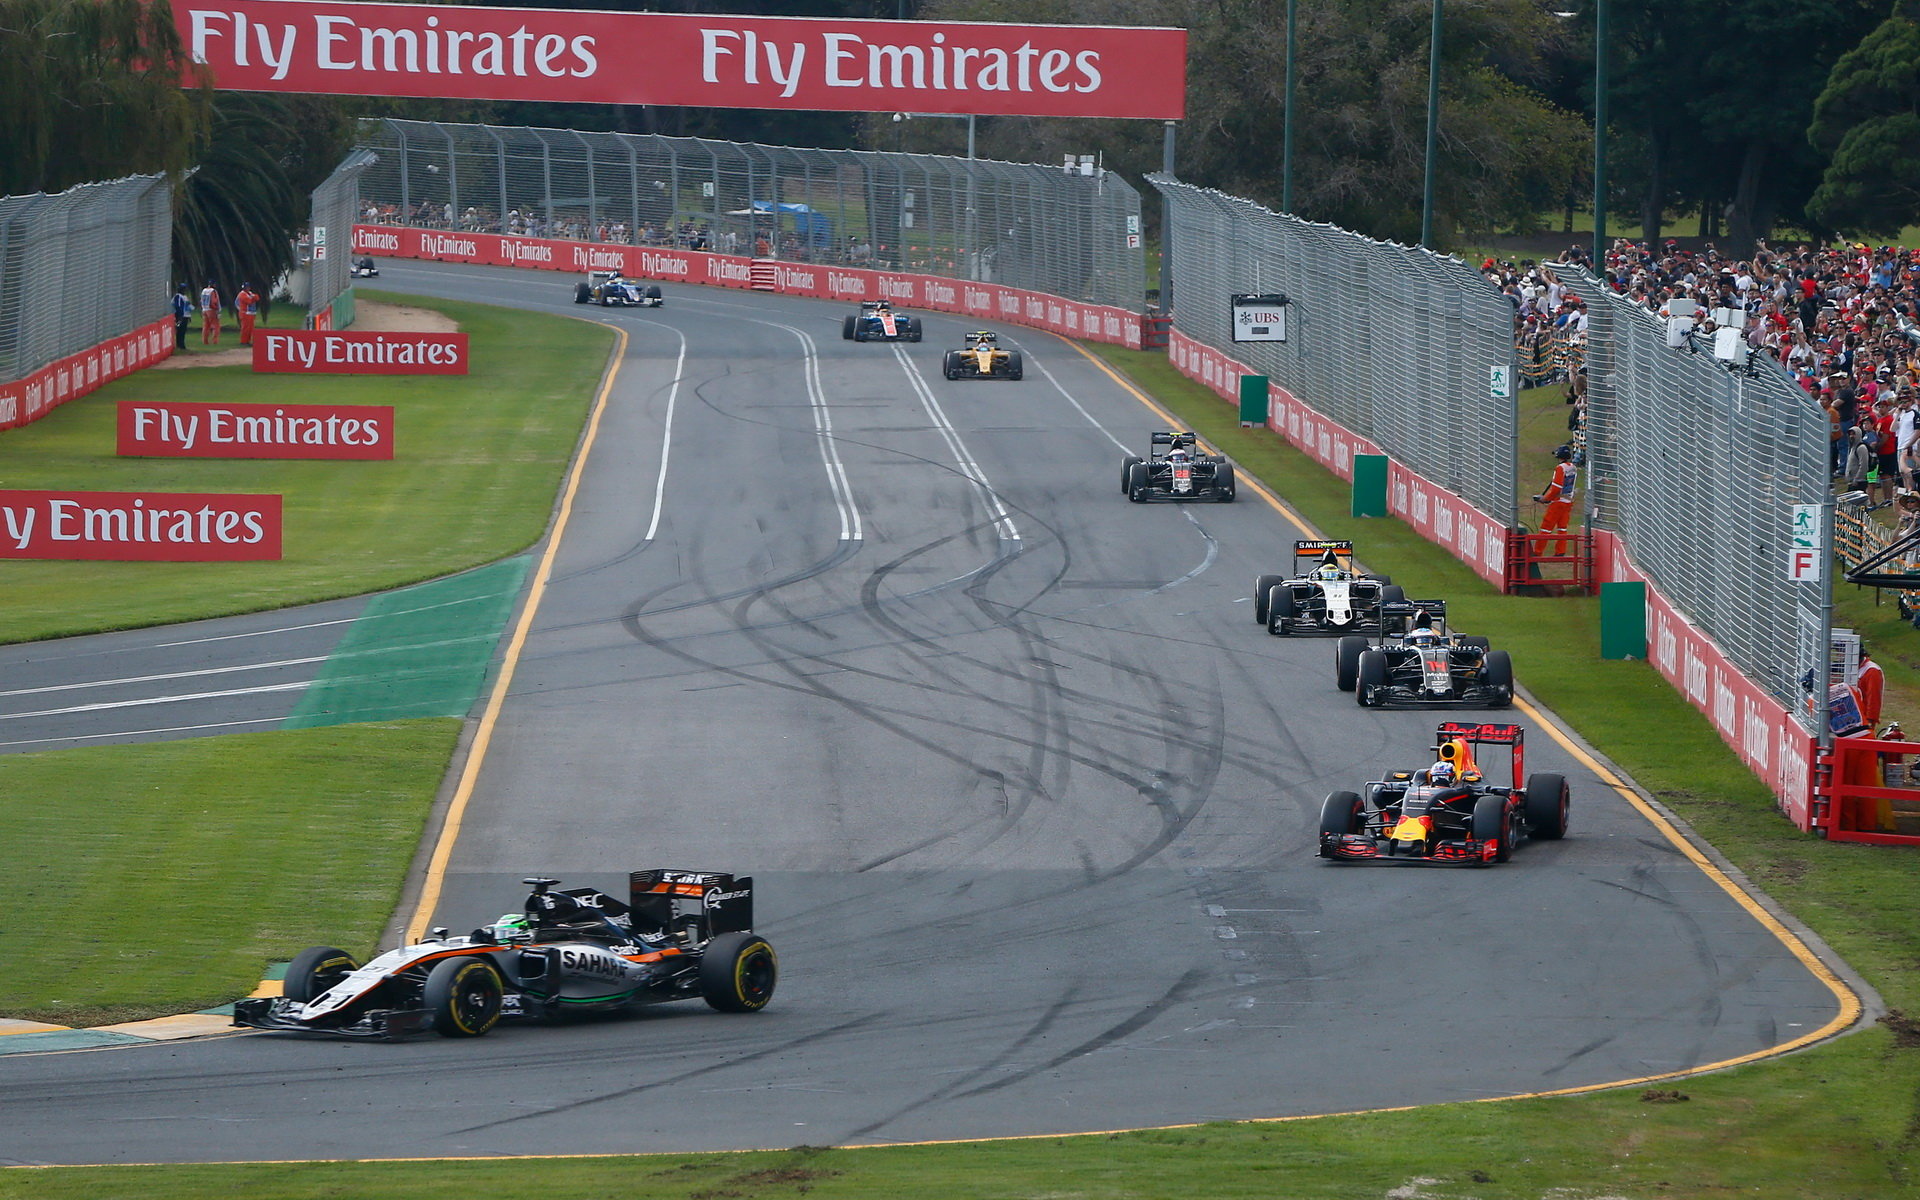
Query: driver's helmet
pixel 1422 637
pixel 1328 573
pixel 1441 774
pixel 512 927
pixel 1176 455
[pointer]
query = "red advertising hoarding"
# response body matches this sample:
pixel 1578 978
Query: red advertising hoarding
pixel 1075 318
pixel 36 395
pixel 330 352
pixel 139 526
pixel 814 63
pixel 176 429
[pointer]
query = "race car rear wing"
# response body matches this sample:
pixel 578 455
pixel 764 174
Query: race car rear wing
pixel 1175 439
pixel 667 901
pixel 1319 548
pixel 1456 741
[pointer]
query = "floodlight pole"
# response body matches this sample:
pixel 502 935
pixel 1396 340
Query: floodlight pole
pixel 1600 137
pixel 1166 223
pixel 1286 123
pixel 1433 128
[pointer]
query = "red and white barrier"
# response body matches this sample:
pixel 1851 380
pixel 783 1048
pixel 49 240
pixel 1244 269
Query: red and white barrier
pixel 69 378
pixel 991 301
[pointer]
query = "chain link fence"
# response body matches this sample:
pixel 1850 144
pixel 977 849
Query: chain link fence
pixel 1698 466
pixel 1395 343
pixel 328 249
pixel 1020 225
pixel 80 267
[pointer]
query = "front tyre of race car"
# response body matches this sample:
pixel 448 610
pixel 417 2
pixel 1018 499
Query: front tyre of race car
pixel 1493 823
pixel 846 328
pixel 738 972
pixel 464 995
pixel 1262 587
pixel 1281 610
pixel 1496 672
pixel 1547 803
pixel 1341 813
pixel 582 293
pixel 1369 676
pixel 314 970
pixel 1346 660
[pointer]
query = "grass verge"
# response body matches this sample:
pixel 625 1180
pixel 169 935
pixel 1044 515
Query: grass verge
pixel 478 461
pixel 199 862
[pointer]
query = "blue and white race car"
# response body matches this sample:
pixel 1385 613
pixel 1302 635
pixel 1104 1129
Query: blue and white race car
pixel 877 322
pixel 610 289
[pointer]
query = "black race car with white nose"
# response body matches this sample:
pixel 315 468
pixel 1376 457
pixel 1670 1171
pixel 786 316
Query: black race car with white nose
pixel 1175 468
pixel 680 935
pixel 1324 594
pixel 1418 662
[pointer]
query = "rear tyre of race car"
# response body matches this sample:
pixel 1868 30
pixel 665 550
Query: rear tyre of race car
pixel 1478 643
pixel 1371 673
pixel 1224 483
pixel 1382 580
pixel 1497 672
pixel 652 296
pixel 1392 593
pixel 1346 661
pixel 846 328
pixel 1126 472
pixel 582 293
pixel 463 995
pixel 1137 482
pixel 738 972
pixel 314 970
pixel 910 328
pixel 1016 368
pixel 1281 610
pixel 950 365
pixel 1547 803
pixel 1492 824
pixel 1340 814
pixel 1261 587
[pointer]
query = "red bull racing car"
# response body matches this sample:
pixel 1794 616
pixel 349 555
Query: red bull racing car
pixel 877 322
pixel 680 935
pixel 1448 812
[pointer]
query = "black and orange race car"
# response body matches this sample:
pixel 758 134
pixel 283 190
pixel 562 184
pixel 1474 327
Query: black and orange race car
pixel 1448 812
pixel 678 936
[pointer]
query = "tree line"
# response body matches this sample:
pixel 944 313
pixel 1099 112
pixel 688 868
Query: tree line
pixel 1769 114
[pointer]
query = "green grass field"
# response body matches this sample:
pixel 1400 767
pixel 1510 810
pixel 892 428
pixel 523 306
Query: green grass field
pixel 1839 1120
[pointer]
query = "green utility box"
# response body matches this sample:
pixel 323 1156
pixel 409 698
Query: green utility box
pixel 1253 400
pixel 1623 620
pixel 1369 485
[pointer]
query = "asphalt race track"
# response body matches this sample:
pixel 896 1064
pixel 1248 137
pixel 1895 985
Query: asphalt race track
pixel 1029 797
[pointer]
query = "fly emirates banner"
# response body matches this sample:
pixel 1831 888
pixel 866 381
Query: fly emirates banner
pixel 811 63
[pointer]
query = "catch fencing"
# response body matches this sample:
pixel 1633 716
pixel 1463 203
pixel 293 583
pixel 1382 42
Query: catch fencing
pixel 328 246
pixel 1397 345
pixel 1699 467
pixel 79 271
pixel 1024 226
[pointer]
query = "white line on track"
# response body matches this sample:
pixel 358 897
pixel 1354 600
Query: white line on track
pixel 134 733
pixel 150 701
pixel 1062 389
pixel 666 433
pixel 962 457
pixel 850 528
pixel 130 680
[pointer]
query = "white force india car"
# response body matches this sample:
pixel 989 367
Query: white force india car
pixel 1324 594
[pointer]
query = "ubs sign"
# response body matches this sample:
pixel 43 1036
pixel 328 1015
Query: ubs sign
pixel 1260 318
